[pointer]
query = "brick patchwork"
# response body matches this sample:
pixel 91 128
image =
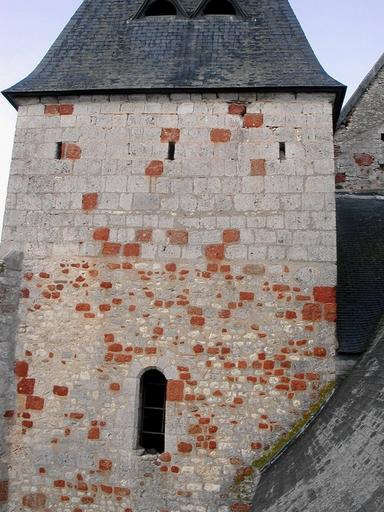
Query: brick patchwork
pixel 217 268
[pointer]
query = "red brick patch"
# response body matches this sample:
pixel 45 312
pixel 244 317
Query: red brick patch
pixel 35 403
pixel 215 252
pixel 60 390
pixel 220 135
pixel 132 250
pixel 90 201
pixel 175 390
pixel 253 120
pixel 70 151
pixel 238 109
pixel 170 135
pixel 325 294
pixel 231 236
pixel 59 110
pixel 3 491
pixel 26 386
pixel 35 501
pixel 154 168
pixel 105 465
pixel 111 249
pixel 258 167
pixel 101 234
pixel 312 312
pixel 177 237
pixel 144 235
pixel 184 447
pixel 21 369
pixel 363 159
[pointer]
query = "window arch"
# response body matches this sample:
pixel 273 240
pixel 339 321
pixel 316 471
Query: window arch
pixel 219 7
pixel 161 8
pixel 153 391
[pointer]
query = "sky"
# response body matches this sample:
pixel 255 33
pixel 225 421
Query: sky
pixel 346 36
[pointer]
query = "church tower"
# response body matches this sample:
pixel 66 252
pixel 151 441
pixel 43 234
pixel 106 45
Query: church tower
pixel 172 197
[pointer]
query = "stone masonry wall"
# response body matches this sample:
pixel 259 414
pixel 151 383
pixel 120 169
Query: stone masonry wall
pixel 10 277
pixel 359 143
pixel 217 267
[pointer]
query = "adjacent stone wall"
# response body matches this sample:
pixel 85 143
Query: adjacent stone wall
pixel 359 143
pixel 10 267
pixel 217 267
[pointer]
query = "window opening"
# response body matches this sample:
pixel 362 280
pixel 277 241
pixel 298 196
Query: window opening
pixel 161 8
pixel 219 7
pixel 59 151
pixel 382 137
pixel 153 389
pixel 171 150
pixel 282 151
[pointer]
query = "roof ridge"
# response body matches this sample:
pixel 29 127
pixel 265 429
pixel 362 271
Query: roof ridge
pixel 360 91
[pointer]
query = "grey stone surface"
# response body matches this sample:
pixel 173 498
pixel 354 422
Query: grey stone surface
pixel 338 463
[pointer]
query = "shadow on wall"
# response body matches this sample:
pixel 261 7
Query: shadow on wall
pixel 10 278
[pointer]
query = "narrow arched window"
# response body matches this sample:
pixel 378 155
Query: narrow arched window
pixel 219 7
pixel 161 8
pixel 153 389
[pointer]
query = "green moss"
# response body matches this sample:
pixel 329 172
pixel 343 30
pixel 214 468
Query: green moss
pixel 244 483
pixel 282 442
pixel 2 267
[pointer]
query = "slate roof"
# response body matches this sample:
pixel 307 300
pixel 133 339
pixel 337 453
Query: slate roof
pixel 105 48
pixel 360 91
pixel 360 297
pixel 337 465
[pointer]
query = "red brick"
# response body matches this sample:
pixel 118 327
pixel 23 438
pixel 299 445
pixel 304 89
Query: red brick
pixel 132 250
pixel 319 352
pixel 111 249
pixel 60 390
pixel 59 110
pixel 312 312
pixel 101 234
pixel 198 320
pixel 253 120
pixel 144 235
pixel 330 312
pixel 247 296
pixel 70 152
pixel 105 465
pixel 83 307
pixel 3 491
pixel 154 168
pixel 237 109
pixel 290 315
pixel 231 236
pixel 25 293
pixel 220 135
pixel 21 369
pixel 94 433
pixel 114 386
pixel 90 201
pixel 215 252
pixel 177 236
pixel 340 177
pixel 35 403
pixel 298 385
pixel 26 386
pixel 59 483
pixel 240 507
pixel 170 135
pixel 198 349
pixel 363 159
pixel 175 390
pixel 35 501
pixel 171 267
pixel 184 447
pixel 258 167
pixel 325 294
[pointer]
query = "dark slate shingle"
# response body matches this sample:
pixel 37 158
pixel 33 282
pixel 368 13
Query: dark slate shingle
pixel 104 48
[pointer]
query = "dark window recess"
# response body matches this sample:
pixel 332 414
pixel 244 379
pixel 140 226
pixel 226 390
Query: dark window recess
pixel 59 151
pixel 382 136
pixel 219 7
pixel 171 150
pixel 161 8
pixel 153 389
pixel 282 151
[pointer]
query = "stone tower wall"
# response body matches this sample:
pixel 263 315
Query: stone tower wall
pixel 359 143
pixel 218 268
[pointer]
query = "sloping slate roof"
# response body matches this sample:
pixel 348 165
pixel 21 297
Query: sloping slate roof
pixel 360 240
pixel 337 465
pixel 105 48
pixel 360 91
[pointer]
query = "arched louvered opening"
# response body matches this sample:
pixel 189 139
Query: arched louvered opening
pixel 215 7
pixel 161 8
pixel 153 390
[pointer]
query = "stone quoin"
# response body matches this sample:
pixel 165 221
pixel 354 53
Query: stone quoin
pixel 176 218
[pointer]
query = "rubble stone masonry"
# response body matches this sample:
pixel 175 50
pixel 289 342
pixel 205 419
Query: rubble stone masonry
pixel 216 267
pixel 359 143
